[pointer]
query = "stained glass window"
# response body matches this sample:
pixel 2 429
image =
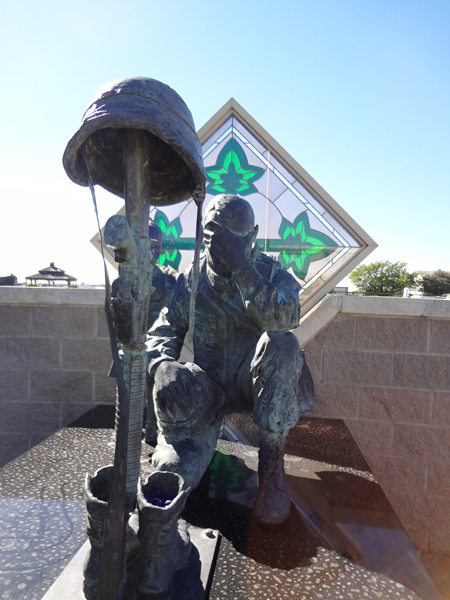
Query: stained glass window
pixel 296 225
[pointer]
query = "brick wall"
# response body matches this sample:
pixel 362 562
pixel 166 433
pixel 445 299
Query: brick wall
pixel 383 365
pixel 54 359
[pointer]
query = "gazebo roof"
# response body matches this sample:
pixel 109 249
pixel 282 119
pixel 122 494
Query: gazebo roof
pixel 52 273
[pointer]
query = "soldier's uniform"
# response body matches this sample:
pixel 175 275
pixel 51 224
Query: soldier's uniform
pixel 250 360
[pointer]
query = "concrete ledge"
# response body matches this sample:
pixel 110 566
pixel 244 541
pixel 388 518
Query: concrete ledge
pixel 317 318
pixel 372 306
pixel 396 307
pixel 42 296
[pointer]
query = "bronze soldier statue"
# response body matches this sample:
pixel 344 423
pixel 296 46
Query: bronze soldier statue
pixel 246 359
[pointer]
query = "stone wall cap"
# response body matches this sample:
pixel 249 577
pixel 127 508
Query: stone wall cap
pixel 396 307
pixel 369 306
pixel 43 296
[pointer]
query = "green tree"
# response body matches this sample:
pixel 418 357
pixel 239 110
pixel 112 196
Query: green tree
pixel 436 287
pixel 382 278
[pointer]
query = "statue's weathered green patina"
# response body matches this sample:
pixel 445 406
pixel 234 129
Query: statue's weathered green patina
pixel 137 140
pixel 245 357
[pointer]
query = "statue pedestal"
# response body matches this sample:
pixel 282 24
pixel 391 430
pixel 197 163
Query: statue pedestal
pixel 190 583
pixel 342 530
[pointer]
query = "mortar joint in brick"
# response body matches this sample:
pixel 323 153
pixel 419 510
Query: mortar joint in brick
pixel 94 387
pixel 432 406
pixel 96 323
pixel 358 393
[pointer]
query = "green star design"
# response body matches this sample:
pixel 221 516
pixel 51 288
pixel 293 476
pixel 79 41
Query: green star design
pixel 170 254
pixel 302 245
pixel 232 174
pixel 298 247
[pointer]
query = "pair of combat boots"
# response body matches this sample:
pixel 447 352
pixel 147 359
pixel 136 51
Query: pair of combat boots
pixel 162 546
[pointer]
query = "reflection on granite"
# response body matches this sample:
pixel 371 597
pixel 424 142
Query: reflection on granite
pixel 326 575
pixel 42 515
pixel 289 560
pixel 101 416
pixel 38 538
pixel 324 440
pixel 342 538
pixel 342 505
pixel 56 468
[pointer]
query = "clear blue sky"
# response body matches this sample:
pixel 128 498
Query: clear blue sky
pixel 357 91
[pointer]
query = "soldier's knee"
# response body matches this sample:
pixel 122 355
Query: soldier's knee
pixel 282 343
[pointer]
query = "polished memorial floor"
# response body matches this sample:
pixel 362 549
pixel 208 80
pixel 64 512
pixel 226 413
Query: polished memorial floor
pixel 342 538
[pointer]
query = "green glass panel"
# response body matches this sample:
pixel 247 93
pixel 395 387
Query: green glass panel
pixel 298 247
pixel 302 245
pixel 232 174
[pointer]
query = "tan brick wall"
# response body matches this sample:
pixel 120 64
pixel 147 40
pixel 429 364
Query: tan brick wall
pixel 381 364
pixel 388 377
pixel 54 359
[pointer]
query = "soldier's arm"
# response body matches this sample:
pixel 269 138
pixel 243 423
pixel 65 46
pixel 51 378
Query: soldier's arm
pixel 166 336
pixel 274 305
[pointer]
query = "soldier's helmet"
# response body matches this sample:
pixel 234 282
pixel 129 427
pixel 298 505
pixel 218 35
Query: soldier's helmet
pixel 139 103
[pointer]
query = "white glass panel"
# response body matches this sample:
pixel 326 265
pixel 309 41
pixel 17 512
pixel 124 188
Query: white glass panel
pixel 276 187
pixel 309 197
pixel 253 159
pixel 282 170
pixel 259 205
pixel 316 282
pixel 342 231
pixel 289 205
pixel 318 265
pixel 319 226
pixel 248 136
pixel 187 256
pixel 216 135
pixel 211 159
pixel 273 222
pixel 171 212
pixel 261 185
pixel 188 220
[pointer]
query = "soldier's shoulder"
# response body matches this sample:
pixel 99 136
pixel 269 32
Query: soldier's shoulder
pixel 271 269
pixel 266 265
pixel 169 275
pixel 266 259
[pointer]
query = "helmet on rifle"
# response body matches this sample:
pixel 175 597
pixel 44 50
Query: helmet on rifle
pixel 139 103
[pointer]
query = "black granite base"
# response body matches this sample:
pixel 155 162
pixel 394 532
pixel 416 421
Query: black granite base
pixel 342 538
pixel 42 515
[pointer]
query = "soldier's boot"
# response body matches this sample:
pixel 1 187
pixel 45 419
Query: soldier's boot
pixel 96 495
pixel 272 502
pixel 96 492
pixel 165 542
pixel 189 457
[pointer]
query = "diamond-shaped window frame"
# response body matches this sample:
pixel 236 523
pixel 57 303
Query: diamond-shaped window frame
pixel 362 244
